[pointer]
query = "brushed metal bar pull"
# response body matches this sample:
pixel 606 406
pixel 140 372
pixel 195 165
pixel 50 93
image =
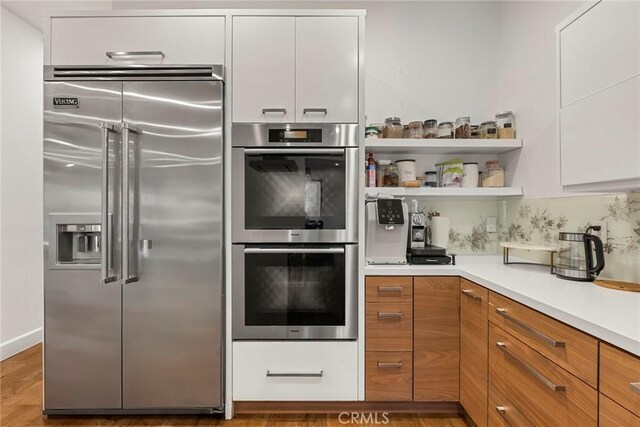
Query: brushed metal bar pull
pixel 468 293
pixel 318 374
pixel 124 217
pixel 131 54
pixel 635 387
pixel 314 110
pixel 502 410
pixel 105 226
pixel 274 110
pixel 542 337
pixel 392 314
pixel 388 365
pixel 503 346
pixel 390 288
pixel 294 250
pixel 292 151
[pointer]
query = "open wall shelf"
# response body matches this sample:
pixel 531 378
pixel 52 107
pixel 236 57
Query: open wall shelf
pixel 441 146
pixel 447 193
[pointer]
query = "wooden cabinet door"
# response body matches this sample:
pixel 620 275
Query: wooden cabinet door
pixel 263 69
pixel 326 53
pixel 474 330
pixel 436 334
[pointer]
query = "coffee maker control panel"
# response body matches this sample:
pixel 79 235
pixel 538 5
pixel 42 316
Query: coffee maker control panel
pixel 390 212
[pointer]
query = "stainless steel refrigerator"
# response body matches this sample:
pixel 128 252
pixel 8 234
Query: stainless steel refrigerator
pixel 133 239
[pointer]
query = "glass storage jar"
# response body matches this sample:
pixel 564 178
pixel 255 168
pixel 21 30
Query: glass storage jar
pixel 462 128
pixel 431 179
pixel 391 176
pixel 495 174
pixel 372 132
pixel 445 130
pixel 488 130
pixel 393 128
pixel 382 171
pixel 475 131
pixel 415 130
pixel 430 129
pixel 506 124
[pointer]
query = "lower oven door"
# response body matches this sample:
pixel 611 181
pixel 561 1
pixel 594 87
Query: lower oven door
pixel 295 292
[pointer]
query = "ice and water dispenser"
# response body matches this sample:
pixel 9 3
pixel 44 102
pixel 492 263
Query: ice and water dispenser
pixel 76 241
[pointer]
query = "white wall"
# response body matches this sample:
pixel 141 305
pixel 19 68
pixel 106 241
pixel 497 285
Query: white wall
pixel 20 185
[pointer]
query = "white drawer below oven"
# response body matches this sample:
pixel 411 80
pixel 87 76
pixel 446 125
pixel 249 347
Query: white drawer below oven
pixel 295 370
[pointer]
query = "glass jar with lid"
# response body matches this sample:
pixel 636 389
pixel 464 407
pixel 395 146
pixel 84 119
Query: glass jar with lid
pixel 430 129
pixel 382 170
pixel 445 130
pixel 475 132
pixel 488 130
pixel 431 179
pixel 392 128
pixel 391 176
pixel 506 124
pixel 495 174
pixel 463 128
pixel 415 130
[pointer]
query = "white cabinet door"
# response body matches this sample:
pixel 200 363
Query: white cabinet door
pixel 295 370
pixel 599 49
pixel 263 69
pixel 327 69
pixel 182 39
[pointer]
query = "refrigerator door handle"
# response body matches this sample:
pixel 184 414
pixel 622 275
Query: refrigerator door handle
pixel 127 129
pixel 105 223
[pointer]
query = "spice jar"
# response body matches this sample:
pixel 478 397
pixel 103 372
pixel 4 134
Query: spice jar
pixel 415 130
pixel 475 131
pixel 463 128
pixel 393 128
pixel 445 130
pixel 390 176
pixel 431 179
pixel 383 165
pixel 430 129
pixel 495 174
pixel 488 130
pixel 506 123
pixel 372 132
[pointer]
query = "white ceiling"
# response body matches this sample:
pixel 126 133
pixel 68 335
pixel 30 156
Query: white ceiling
pixel 34 12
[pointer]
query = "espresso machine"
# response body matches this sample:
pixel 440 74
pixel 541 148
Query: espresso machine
pixel 419 250
pixel 387 230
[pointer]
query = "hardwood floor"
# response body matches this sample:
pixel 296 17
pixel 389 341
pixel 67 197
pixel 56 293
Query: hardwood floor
pixel 21 405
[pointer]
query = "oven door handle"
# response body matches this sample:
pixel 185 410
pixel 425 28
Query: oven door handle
pixel 330 151
pixel 293 250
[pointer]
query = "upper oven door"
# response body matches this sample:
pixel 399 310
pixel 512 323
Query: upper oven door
pixel 295 195
pixel 309 135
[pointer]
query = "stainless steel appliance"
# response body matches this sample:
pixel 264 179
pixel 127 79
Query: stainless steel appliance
pixel 133 282
pixel 575 258
pixel 295 291
pixel 295 183
pixel 387 225
pixel 417 227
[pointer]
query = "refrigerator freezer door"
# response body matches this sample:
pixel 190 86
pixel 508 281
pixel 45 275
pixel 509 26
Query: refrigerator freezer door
pixel 172 316
pixel 82 335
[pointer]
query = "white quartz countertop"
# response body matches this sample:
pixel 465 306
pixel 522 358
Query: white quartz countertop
pixel 610 315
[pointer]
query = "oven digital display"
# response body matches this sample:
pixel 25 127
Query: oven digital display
pixel 295 135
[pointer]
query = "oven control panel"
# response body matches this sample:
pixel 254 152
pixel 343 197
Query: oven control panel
pixel 295 135
pixel 390 212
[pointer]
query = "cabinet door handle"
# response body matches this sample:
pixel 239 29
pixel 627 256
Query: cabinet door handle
pixel 542 337
pixel 390 288
pixel 502 410
pixel 635 387
pixel 391 314
pixel 317 374
pixel 274 110
pixel 387 365
pixel 314 110
pixel 503 346
pixel 468 293
pixel 124 55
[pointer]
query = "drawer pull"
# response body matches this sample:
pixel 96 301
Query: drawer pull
pixel 635 387
pixel 502 410
pixel 317 374
pixel 314 110
pixel 395 314
pixel 274 110
pixel 542 337
pixel 124 55
pixel 502 346
pixel 390 288
pixel 468 293
pixel 384 365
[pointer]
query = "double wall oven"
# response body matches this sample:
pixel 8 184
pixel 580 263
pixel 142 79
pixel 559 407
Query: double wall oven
pixel 295 205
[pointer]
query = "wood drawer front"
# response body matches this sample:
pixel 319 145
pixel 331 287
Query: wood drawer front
pixel 612 414
pixel 575 351
pixel 528 378
pixel 389 289
pixel 389 376
pixel 620 377
pixel 436 354
pixel 474 332
pixel 287 363
pixel 389 327
pixel 502 412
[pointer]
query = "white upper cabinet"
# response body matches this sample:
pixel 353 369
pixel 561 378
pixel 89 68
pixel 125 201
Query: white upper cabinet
pixel 327 69
pixel 599 100
pixel 182 40
pixel 263 69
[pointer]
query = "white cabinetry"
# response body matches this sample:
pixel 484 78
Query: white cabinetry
pixel 297 68
pixel 83 40
pixel 599 99
pixel 295 370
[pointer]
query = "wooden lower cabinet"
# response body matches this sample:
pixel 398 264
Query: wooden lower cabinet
pixel 436 336
pixel 474 331
pixel 502 412
pixel 612 414
pixel 620 377
pixel 389 375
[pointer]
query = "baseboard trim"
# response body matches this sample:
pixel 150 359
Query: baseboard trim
pixel 334 407
pixel 16 345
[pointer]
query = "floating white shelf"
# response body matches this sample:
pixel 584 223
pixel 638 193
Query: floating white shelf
pixel 447 193
pixel 441 146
